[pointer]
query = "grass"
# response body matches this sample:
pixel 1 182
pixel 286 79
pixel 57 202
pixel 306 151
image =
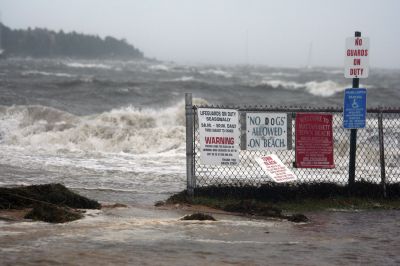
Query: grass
pixel 274 200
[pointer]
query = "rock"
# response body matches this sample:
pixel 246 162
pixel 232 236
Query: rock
pixel 53 214
pixel 199 216
pixel 159 203
pixel 52 203
pixel 25 197
pixel 297 218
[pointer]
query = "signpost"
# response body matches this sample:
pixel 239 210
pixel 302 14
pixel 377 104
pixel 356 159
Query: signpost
pixel 275 169
pixel 356 67
pixel 266 131
pixel 314 141
pixel 219 136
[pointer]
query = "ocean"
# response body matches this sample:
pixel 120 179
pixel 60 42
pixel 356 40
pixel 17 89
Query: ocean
pixel 115 131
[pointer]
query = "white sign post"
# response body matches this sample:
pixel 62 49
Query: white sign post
pixel 266 131
pixel 219 136
pixel 275 169
pixel 357 57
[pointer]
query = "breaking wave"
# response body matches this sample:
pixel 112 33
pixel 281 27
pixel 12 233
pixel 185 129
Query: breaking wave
pixel 159 67
pixel 184 79
pixel 43 73
pixel 216 72
pixel 128 129
pixel 87 65
pixel 323 89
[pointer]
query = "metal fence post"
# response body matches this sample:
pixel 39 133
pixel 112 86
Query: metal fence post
pixel 382 153
pixel 353 139
pixel 189 143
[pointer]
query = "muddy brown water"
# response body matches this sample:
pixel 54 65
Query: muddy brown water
pixel 148 236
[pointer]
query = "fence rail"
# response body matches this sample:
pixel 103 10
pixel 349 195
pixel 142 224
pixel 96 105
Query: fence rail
pixel 377 161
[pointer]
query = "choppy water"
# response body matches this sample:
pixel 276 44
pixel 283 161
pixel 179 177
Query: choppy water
pixel 114 131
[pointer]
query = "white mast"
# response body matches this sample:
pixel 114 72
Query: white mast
pixel 1 39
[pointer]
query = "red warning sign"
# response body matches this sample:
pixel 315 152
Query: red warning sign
pixel 314 141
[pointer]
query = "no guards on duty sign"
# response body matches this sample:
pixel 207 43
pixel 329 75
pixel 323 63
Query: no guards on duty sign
pixel 356 57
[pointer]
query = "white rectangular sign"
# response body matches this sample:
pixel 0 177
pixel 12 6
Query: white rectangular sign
pixel 266 131
pixel 219 136
pixel 275 169
pixel 356 57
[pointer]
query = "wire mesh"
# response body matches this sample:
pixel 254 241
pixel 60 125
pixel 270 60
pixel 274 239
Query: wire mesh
pixel 368 167
pixel 391 133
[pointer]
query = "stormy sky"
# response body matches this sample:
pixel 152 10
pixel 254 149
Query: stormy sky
pixel 274 33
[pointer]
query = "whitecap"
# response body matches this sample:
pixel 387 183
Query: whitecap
pixel 87 65
pixel 159 67
pixel 324 88
pixel 43 73
pixel 281 83
pixel 216 72
pixel 184 78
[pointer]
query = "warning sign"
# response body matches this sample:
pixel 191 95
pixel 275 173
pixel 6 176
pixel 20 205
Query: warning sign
pixel 356 57
pixel 266 131
pixel 275 169
pixel 314 141
pixel 219 136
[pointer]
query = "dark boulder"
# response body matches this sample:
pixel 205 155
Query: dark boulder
pixel 199 216
pixel 53 214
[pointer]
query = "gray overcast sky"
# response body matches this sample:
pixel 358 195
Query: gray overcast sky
pixel 279 33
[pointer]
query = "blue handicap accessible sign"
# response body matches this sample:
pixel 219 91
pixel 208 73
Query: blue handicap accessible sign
pixel 355 110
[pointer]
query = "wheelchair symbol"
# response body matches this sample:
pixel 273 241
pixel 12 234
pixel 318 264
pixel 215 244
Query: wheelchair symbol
pixel 354 104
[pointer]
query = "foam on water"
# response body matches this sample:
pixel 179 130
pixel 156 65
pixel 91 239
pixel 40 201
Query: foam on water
pixel 159 67
pixel 184 78
pixel 216 72
pixel 322 89
pixel 125 150
pixel 128 129
pixel 44 73
pixel 87 65
pixel 281 83
pixel 325 89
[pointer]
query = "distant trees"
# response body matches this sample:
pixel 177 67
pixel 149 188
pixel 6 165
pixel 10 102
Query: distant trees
pixel 46 43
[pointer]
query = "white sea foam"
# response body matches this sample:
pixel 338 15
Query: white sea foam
pixel 43 73
pixel 87 65
pixel 216 72
pixel 184 78
pixel 284 74
pixel 324 89
pixel 281 83
pixel 159 67
pixel 127 130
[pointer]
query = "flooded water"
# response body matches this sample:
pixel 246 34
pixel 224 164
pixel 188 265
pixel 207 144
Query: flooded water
pixel 145 236
pixel 114 131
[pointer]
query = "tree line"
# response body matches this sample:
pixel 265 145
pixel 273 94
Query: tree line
pixel 40 42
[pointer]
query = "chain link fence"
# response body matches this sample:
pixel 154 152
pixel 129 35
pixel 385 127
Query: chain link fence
pixel 370 166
